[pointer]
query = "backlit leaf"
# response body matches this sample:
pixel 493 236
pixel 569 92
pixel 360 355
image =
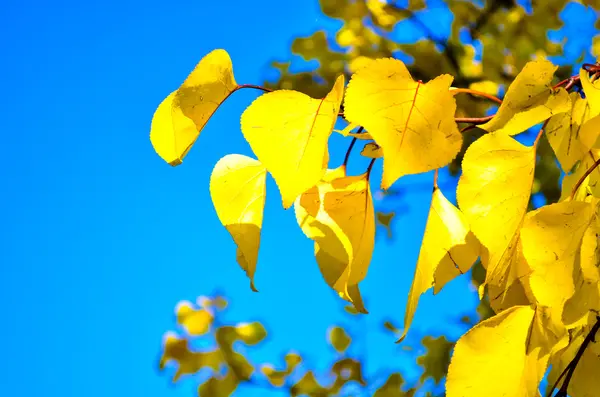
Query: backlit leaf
pixel 493 193
pixel 563 130
pixel 183 114
pixel 338 215
pixel 188 361
pixel 413 122
pixel 288 131
pixel 448 250
pixel 497 343
pixel 552 237
pixel 529 100
pixel 237 189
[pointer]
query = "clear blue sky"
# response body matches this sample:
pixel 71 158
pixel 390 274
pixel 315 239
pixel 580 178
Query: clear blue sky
pixel 101 238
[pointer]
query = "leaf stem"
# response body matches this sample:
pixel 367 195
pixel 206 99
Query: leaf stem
pixel 474 120
pixel 539 135
pixel 347 157
pixel 476 93
pixel 256 87
pixel 370 167
pixel 585 175
pixel 435 180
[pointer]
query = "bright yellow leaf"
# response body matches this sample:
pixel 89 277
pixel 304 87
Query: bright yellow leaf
pixel 237 189
pixel 590 185
pixel 585 381
pixel 592 92
pixel 552 237
pixel 448 250
pixel 288 131
pixel 338 215
pixel 529 100
pixel 413 122
pixel 563 131
pixel 182 115
pixel 590 130
pixel 587 277
pixel 491 358
pixel 493 193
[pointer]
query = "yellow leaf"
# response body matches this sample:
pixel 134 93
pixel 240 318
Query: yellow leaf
pixel 529 100
pixel 592 92
pixel 493 193
pixel 288 131
pixel 195 321
pixel 237 189
pixel 413 122
pixel 590 185
pixel 512 288
pixel 490 359
pixel 181 116
pixel 338 215
pixel 563 131
pixel 448 250
pixel 372 151
pixel 339 339
pixel 552 237
pixel 585 381
pixel 590 130
pixel 587 277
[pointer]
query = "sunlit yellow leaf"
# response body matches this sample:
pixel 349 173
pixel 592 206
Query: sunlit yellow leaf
pixel 592 92
pixel 237 189
pixel 490 359
pixel 493 193
pixel 585 381
pixel 413 122
pixel 587 277
pixel 372 150
pixel 448 250
pixel 552 237
pixel 591 183
pixel 590 130
pixel 563 130
pixel 195 321
pixel 529 100
pixel 181 116
pixel 288 131
pixel 338 215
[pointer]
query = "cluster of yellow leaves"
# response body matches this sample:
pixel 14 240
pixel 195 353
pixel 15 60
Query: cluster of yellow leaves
pixel 541 266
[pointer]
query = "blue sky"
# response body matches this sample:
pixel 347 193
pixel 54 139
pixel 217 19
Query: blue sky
pixel 102 238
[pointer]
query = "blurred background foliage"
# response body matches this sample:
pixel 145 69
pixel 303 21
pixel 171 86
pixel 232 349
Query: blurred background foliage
pixel 483 44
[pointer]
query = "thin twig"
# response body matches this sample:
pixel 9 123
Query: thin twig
pixel 476 93
pixel 474 120
pixel 573 364
pixel 585 175
pixel 370 167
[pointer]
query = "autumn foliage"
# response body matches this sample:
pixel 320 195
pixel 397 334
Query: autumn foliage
pixel 542 275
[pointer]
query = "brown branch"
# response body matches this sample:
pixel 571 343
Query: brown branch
pixel 585 175
pixel 474 120
pixel 476 93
